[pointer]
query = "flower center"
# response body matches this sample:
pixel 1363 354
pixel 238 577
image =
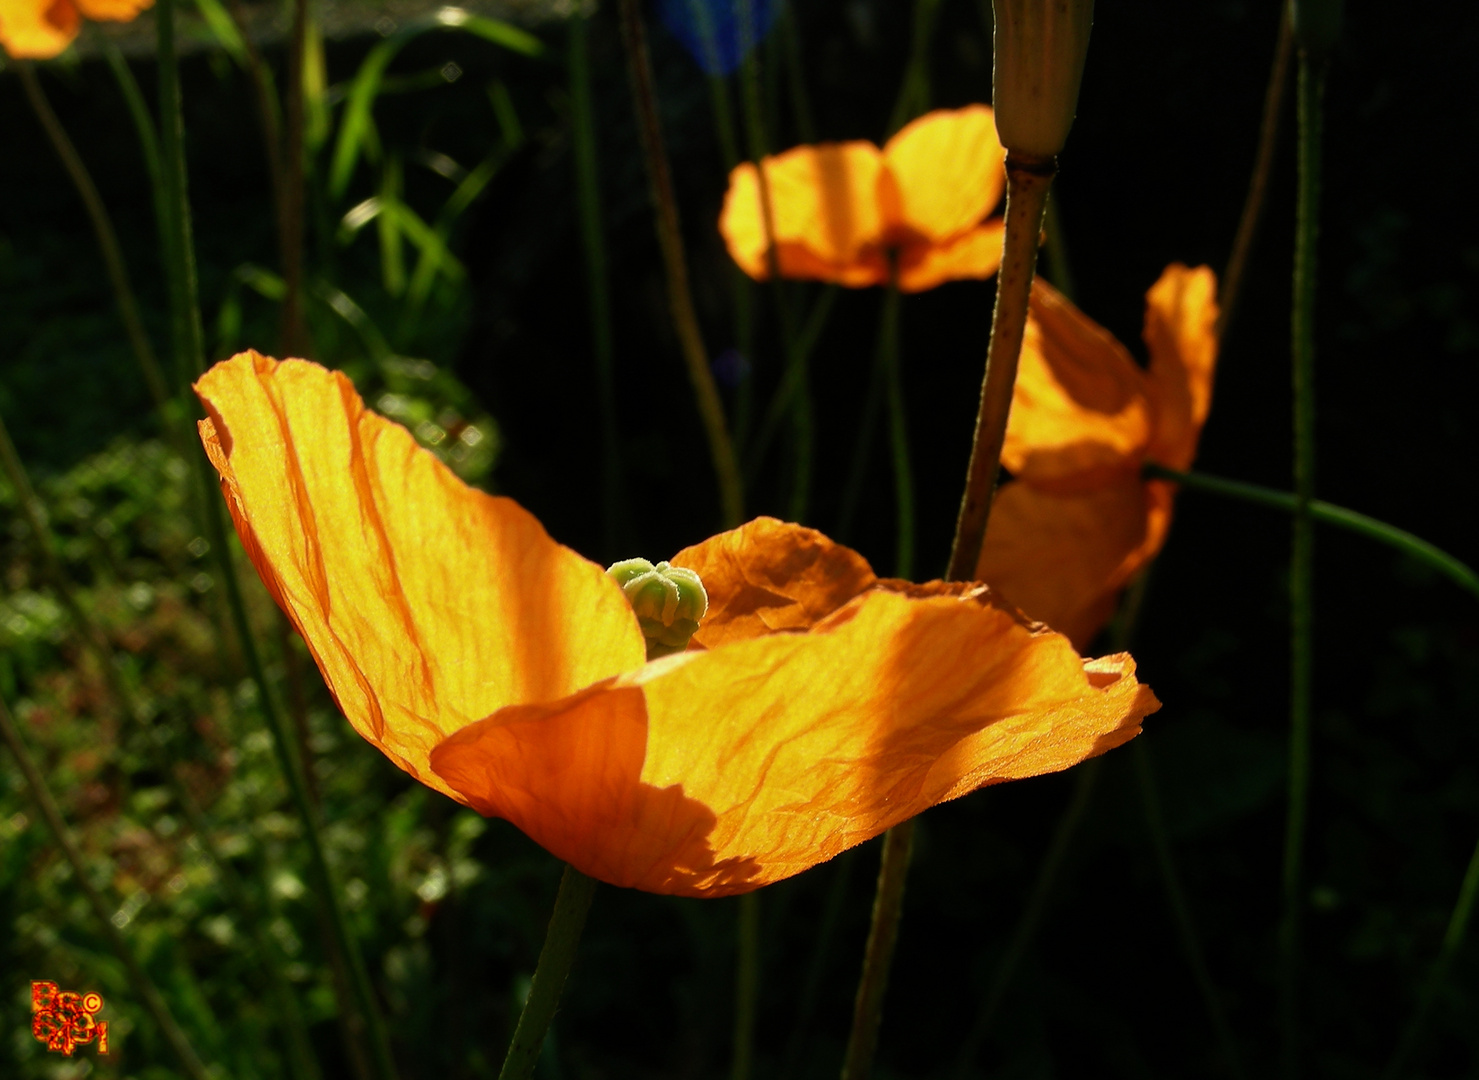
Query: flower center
pixel 669 602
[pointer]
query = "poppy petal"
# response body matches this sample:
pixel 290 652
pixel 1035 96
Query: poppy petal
pixel 426 604
pixel 1081 407
pixel 948 170
pixel 824 203
pixel 37 29
pixel 113 10
pixel 771 575
pixel 1181 333
pixel 972 254
pixel 1064 558
pixel 713 773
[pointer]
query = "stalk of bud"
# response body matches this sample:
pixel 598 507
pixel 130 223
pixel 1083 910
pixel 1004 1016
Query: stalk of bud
pixel 1040 48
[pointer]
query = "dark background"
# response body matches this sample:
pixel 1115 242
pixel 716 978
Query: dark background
pixel 1155 171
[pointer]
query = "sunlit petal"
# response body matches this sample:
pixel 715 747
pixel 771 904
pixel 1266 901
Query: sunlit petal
pixel 427 604
pixel 973 254
pixel 715 772
pixel 37 29
pixel 113 10
pixel 1180 331
pixel 948 170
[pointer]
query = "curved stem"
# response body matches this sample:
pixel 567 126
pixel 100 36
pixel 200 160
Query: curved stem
pixel 670 240
pixel 572 904
pixel 1330 514
pixel 102 227
pixel 878 954
pixel 149 995
pixel 1028 182
pixel 1263 165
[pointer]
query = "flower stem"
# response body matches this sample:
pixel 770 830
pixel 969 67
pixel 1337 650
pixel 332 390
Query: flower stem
pixel 1028 181
pixel 291 201
pixel 914 91
pixel 670 240
pixel 102 227
pixel 572 903
pixel 1263 164
pixel 746 986
pixel 588 204
pixel 1330 514
pixel 363 1017
pixel 888 360
pixel 143 986
pixel 878 954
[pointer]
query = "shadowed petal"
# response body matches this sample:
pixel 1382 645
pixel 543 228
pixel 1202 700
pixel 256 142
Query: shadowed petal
pixel 824 202
pixel 773 754
pixel 1081 405
pixel 1180 331
pixel 37 29
pixel 426 604
pixel 972 254
pixel 948 169
pixel 1064 558
pixel 770 575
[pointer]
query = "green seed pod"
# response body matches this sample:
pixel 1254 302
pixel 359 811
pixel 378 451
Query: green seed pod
pixel 1040 48
pixel 669 601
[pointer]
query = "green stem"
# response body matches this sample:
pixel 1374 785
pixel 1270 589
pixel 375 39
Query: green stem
pixel 1186 927
pixel 572 903
pixel 914 91
pixel 1263 165
pixel 1453 939
pixel 1028 182
pixel 593 241
pixel 878 954
pixel 1055 247
pixel 781 402
pixel 364 1020
pixel 746 986
pixel 1301 560
pixel 1328 513
pixel 1025 931
pixel 291 203
pixel 143 986
pixel 795 76
pixel 102 227
pixel 670 241
pixel 888 362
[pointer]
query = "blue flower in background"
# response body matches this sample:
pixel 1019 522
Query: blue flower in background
pixel 714 31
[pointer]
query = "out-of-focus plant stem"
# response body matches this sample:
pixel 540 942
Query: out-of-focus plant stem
pixel 143 986
pixel 878 953
pixel 301 1064
pixel 670 241
pixel 1028 182
pixel 1301 559
pixel 803 421
pixel 914 92
pixel 291 209
pixel 1263 164
pixel 593 242
pixel 572 904
pixel 102 227
pixel 746 985
pixel 364 1019
pixel 898 433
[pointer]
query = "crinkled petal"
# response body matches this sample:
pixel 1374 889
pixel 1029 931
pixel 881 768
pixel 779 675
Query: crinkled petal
pixel 825 212
pixel 771 575
pixel 37 29
pixel 717 772
pixel 972 254
pixel 427 604
pixel 1180 331
pixel 1064 558
pixel 1081 406
pixel 949 172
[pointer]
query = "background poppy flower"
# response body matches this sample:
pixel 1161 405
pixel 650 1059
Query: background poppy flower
pixel 1078 521
pixel 840 210
pixel 40 29
pixel 818 707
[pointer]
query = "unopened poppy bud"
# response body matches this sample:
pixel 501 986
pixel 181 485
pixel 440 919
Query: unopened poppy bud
pixel 1040 48
pixel 669 602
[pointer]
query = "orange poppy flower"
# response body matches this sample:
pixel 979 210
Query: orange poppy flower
pixel 1078 522
pixel 40 29
pixel 841 210
pixel 817 706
